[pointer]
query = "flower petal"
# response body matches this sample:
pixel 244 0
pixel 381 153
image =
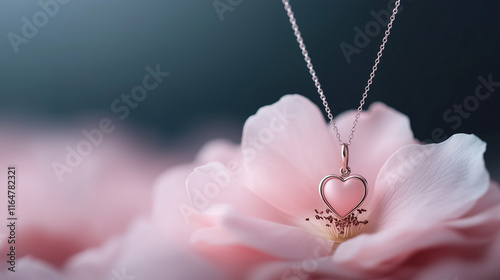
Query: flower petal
pixel 172 204
pixel 380 132
pixel 289 149
pixel 28 268
pixel 419 188
pixel 283 241
pixel 160 257
pixel 457 263
pixel 214 184
pixel 417 181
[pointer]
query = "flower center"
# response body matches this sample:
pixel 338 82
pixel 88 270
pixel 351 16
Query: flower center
pixel 338 230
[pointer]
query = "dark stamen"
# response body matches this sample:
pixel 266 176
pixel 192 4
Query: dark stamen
pixel 340 225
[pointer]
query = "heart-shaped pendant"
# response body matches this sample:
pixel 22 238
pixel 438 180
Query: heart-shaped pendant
pixel 343 195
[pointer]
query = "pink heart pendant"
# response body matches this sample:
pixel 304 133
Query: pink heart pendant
pixel 343 195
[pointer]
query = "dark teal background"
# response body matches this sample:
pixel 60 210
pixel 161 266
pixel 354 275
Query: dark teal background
pixel 93 51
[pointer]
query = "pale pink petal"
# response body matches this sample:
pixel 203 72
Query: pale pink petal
pixel 465 242
pixel 386 250
pixel 96 263
pixel 283 241
pixel 474 257
pixel 488 200
pixel 308 268
pixel 456 263
pixel 481 224
pixel 214 184
pixel 380 132
pixel 173 211
pixel 29 268
pixel 160 258
pixel 289 149
pixel 409 204
pixel 425 184
pixel 143 253
pixel 93 202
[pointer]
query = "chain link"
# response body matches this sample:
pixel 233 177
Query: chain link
pixel 315 79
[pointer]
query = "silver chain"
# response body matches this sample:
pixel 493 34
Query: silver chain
pixel 302 46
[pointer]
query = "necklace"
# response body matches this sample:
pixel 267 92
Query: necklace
pixel 344 193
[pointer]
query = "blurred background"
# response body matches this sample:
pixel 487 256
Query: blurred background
pixel 68 62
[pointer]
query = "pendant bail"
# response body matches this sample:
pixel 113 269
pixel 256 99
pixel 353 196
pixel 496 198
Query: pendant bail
pixel 345 170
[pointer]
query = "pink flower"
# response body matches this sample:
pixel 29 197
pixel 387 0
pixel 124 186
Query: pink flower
pixel 93 202
pixel 95 224
pixel 141 253
pixel 432 211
